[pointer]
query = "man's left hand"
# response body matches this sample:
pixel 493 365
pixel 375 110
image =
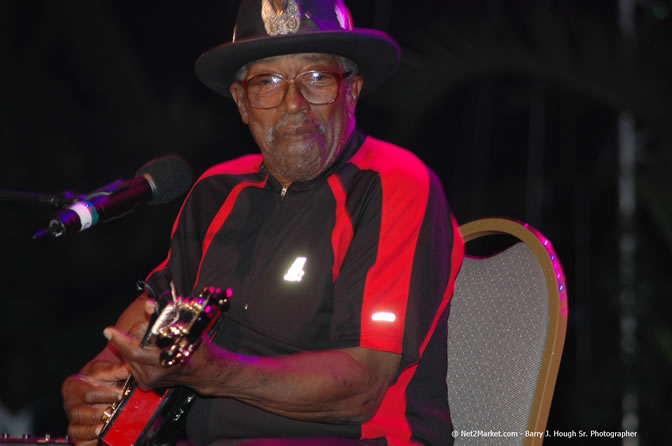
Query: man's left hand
pixel 144 362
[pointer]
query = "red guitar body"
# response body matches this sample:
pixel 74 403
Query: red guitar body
pixel 146 418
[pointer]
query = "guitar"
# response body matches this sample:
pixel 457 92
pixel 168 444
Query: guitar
pixel 155 417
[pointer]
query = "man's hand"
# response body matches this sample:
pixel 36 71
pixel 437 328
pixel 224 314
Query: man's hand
pixel 144 362
pixel 88 394
pixel 99 384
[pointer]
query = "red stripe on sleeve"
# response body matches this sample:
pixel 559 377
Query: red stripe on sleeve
pixel 388 281
pixel 163 264
pixel 342 232
pixel 390 420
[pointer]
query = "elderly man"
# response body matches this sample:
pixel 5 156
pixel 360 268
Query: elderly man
pixel 340 248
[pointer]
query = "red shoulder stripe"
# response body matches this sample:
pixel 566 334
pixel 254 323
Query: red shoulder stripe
pixel 244 164
pixel 222 215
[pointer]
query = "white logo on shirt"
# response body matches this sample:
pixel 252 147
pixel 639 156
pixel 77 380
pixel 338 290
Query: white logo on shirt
pixel 295 272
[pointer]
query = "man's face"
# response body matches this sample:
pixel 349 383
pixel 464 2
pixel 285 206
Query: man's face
pixel 299 140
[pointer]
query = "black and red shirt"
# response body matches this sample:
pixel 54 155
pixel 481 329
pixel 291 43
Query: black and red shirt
pixel 365 255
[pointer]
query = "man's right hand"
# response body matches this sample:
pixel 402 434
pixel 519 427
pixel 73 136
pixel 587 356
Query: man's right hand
pixel 88 394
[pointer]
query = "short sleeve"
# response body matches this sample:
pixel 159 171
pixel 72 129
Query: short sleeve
pixel 395 281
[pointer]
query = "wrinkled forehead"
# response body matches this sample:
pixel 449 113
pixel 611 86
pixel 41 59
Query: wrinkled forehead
pixel 292 60
pixel 297 59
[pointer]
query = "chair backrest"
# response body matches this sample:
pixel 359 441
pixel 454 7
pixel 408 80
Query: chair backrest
pixel 506 331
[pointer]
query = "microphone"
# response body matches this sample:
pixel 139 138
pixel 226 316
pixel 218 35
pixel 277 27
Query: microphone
pixel 157 182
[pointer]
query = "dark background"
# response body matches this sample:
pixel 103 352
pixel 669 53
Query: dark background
pixel 516 105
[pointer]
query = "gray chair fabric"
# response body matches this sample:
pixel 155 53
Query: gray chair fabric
pixel 496 337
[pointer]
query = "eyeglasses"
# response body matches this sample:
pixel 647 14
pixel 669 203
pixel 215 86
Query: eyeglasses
pixel 316 87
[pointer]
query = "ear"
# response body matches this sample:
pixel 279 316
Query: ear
pixel 238 95
pixel 354 90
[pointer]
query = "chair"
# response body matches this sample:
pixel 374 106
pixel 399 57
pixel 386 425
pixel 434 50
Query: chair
pixel 506 331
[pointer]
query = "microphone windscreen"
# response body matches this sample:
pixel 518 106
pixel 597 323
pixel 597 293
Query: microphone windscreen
pixel 170 177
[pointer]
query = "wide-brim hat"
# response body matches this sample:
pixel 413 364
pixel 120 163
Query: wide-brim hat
pixel 267 28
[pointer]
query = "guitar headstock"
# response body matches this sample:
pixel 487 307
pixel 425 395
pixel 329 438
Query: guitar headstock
pixel 181 323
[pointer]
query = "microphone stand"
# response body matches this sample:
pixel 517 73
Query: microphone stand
pixel 58 201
